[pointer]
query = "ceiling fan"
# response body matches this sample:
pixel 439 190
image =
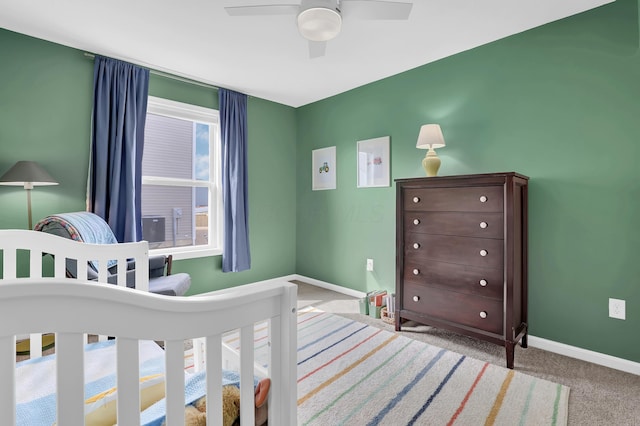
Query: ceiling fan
pixel 321 20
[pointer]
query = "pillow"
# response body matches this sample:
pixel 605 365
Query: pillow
pixel 100 409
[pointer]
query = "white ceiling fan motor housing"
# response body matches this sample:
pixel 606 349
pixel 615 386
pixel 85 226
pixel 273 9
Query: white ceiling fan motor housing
pixel 319 20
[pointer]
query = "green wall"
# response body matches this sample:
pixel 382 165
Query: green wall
pixel 559 104
pixel 45 116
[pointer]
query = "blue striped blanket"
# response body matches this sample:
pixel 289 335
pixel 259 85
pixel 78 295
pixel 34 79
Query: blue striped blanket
pixel 36 381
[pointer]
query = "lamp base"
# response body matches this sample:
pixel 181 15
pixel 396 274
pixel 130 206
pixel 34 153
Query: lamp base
pixel 28 189
pixel 431 163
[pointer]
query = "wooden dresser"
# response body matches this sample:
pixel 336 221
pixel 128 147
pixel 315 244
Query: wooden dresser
pixel 461 255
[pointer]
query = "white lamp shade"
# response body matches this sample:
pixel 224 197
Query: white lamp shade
pixel 27 174
pixel 319 23
pixel 430 137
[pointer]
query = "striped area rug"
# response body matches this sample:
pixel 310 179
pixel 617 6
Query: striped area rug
pixel 350 373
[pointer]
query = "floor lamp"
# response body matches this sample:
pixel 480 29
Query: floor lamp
pixel 27 174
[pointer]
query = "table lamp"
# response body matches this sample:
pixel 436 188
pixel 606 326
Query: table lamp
pixel 430 137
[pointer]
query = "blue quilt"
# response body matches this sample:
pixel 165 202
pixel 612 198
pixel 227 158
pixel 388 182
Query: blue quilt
pixel 36 379
pixel 85 227
pixel 36 382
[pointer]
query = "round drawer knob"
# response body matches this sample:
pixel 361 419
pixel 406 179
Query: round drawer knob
pixel 483 283
pixel 483 314
pixel 483 225
pixel 416 298
pixel 416 246
pixel 416 221
pixel 483 198
pixel 416 272
pixel 416 199
pixel 483 253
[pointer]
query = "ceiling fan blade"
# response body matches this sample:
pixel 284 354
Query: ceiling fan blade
pixel 317 49
pixel 375 9
pixel 272 9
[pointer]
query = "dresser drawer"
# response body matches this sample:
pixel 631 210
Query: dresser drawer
pixel 474 224
pixel 481 252
pixel 478 312
pixel 463 199
pixel 461 278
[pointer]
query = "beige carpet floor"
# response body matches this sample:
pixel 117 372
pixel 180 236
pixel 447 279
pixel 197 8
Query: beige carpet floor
pixel 598 396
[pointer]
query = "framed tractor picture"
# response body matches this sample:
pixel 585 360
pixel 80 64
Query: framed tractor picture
pixel 323 168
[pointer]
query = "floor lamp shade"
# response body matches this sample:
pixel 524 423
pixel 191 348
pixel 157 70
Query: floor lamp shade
pixel 27 174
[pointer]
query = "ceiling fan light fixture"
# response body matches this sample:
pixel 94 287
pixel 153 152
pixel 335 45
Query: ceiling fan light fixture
pixel 319 23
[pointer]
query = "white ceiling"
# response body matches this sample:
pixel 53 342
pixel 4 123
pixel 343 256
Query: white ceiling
pixel 265 56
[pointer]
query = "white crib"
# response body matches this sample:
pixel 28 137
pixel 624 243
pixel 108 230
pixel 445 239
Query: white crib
pixel 71 308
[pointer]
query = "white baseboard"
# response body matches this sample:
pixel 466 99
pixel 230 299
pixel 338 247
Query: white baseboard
pixel 328 286
pixel 585 355
pixel 537 342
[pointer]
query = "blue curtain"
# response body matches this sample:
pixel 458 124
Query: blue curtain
pixel 119 113
pixel 233 129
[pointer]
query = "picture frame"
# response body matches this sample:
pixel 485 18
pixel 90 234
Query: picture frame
pixel 323 168
pixel 373 162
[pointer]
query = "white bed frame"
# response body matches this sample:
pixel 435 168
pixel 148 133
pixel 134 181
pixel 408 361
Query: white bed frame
pixel 72 308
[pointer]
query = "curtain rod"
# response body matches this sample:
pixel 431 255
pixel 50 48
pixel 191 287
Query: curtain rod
pixel 168 75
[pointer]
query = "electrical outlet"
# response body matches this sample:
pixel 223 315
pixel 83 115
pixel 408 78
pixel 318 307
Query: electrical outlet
pixel 369 264
pixel 617 308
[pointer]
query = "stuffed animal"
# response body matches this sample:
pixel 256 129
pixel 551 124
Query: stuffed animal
pixel 103 406
pixel 196 413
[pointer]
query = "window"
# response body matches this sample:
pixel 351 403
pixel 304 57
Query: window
pixel 181 197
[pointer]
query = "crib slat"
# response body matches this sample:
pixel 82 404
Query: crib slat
pixel 213 364
pixel 127 381
pixel 9 263
pixel 82 270
pixel 247 397
pixel 35 271
pixel 7 372
pixel 103 272
pixel 122 272
pixel 198 354
pixel 35 263
pixel 70 378
pixel 174 384
pixel 59 266
pixel 288 357
pixel 35 345
pixel 142 274
pixel 275 370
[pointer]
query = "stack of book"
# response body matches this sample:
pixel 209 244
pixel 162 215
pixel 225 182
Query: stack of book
pixel 390 303
pixel 376 300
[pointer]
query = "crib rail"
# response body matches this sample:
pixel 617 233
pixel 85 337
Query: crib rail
pixel 71 308
pixel 37 244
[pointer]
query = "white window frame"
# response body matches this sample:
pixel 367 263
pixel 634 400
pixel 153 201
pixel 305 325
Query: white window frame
pixel 180 110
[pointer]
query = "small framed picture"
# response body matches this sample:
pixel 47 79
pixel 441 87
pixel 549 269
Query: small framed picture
pixel 373 163
pixel 323 168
